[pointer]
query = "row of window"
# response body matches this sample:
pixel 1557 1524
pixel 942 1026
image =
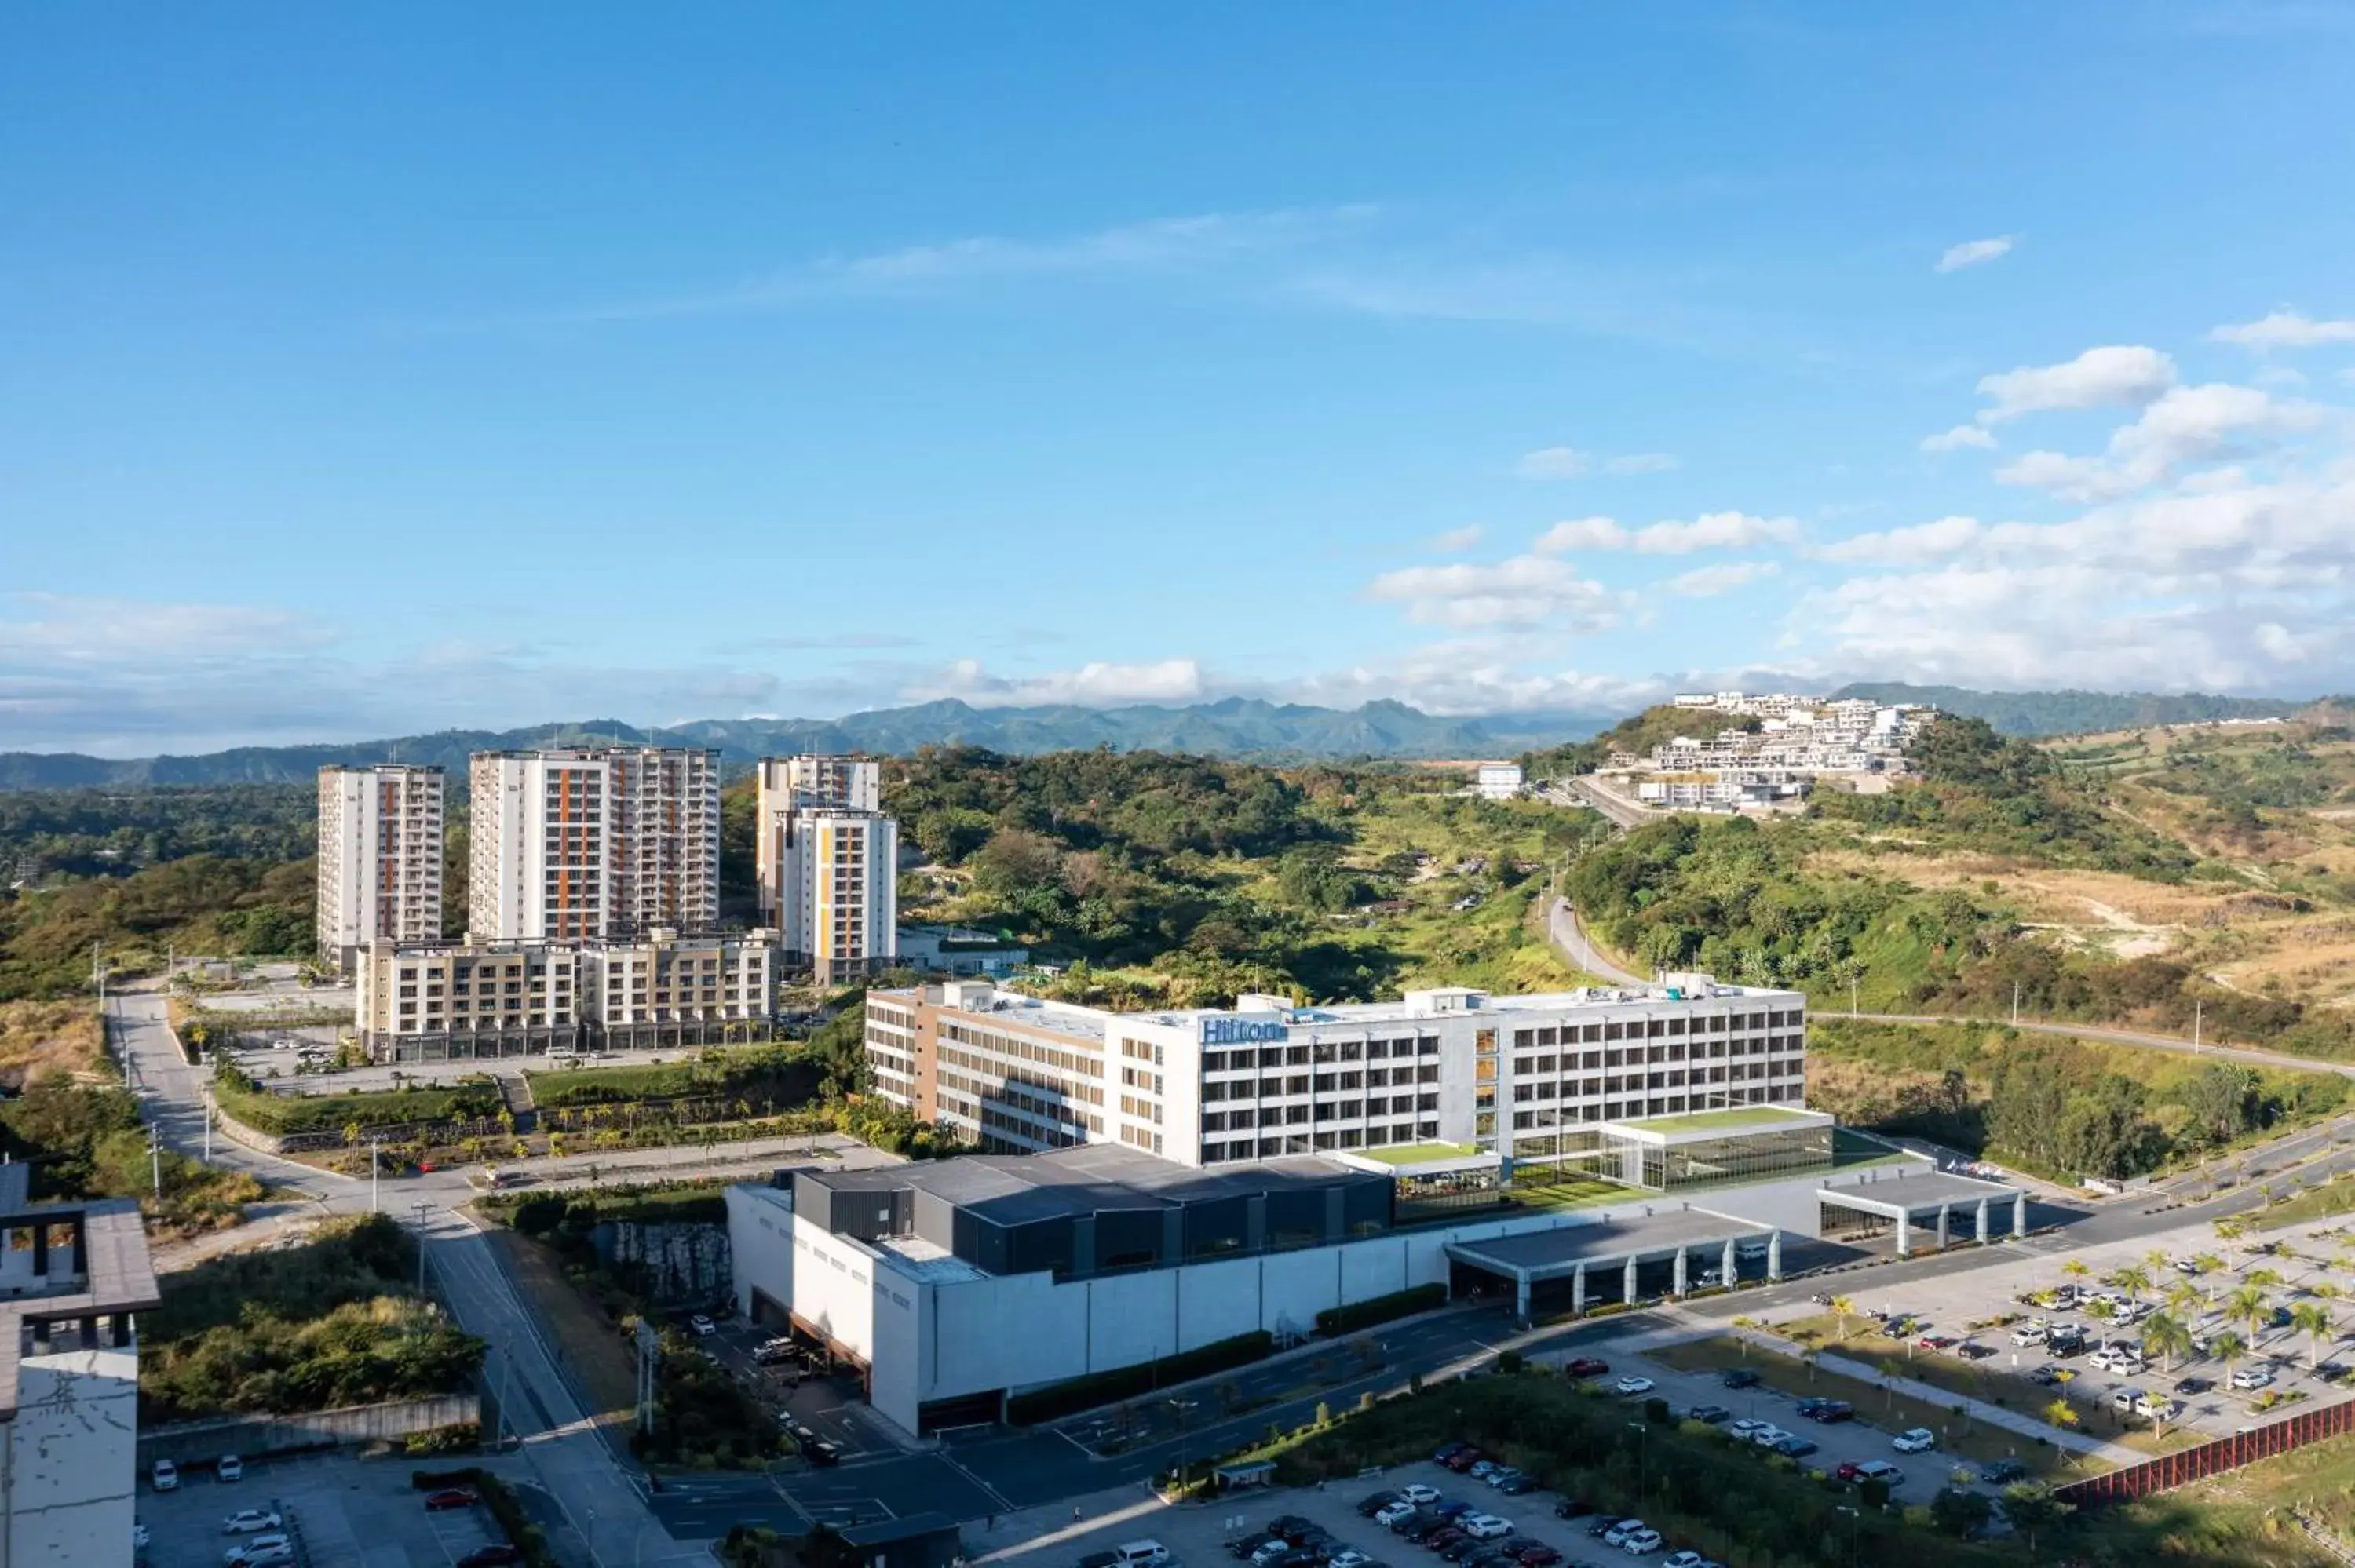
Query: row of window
pixel 1588 1088
pixel 1320 1083
pixel 1318 1051
pixel 1322 1110
pixel 1295 1143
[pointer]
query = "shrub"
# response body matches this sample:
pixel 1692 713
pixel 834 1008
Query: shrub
pixel 1381 1309
pixel 1079 1393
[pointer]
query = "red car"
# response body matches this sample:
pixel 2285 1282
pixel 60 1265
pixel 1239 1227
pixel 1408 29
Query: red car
pixel 1441 1540
pixel 1846 1472
pixel 450 1498
pixel 1587 1366
pixel 1539 1557
pixel 1463 1459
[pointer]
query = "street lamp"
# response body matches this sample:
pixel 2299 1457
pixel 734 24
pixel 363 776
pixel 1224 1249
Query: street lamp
pixel 1643 1460
pixel 1855 1517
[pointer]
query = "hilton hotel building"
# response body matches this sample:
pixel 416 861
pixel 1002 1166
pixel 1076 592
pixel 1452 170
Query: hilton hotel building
pixel 1508 1075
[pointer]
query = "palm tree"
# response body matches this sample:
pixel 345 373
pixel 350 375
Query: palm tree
pixel 2312 1318
pixel 1843 1309
pixel 2248 1305
pixel 2156 1261
pixel 2229 1347
pixel 2076 1268
pixel 2167 1337
pixel 2209 1267
pixel 2133 1279
pixel 2264 1279
pixel 2231 1227
pixel 2183 1299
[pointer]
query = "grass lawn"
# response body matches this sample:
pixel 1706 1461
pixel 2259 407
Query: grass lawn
pixel 1570 1194
pixel 2316 1204
pixel 1877 1408
pixel 1416 1153
pixel 1725 1121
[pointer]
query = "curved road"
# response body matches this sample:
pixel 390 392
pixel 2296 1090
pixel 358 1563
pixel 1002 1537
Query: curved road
pixel 601 1504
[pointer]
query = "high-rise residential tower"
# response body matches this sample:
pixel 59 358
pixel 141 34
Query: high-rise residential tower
pixel 593 842
pixel 380 857
pixel 827 863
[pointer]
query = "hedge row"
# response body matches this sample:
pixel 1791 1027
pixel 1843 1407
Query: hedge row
pixel 1381 1309
pixel 1058 1400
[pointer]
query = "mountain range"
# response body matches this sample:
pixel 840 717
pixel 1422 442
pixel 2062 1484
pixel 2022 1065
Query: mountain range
pixel 1236 727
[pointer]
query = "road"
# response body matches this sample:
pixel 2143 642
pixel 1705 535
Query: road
pixel 1569 936
pixel 1621 812
pixel 600 1505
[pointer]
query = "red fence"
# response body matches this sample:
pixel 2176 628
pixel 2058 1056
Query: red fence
pixel 2212 1459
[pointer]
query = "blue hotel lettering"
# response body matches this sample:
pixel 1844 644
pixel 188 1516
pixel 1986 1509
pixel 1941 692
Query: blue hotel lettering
pixel 1239 1032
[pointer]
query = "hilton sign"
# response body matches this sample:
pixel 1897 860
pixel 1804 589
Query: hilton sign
pixel 1240 1031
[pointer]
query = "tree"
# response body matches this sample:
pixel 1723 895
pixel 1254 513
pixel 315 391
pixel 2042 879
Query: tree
pixel 2031 1507
pixel 1843 1309
pixel 2183 1299
pixel 2312 1318
pixel 2167 1337
pixel 2061 1413
pixel 2077 1268
pixel 2133 1279
pixel 2208 1265
pixel 1961 1512
pixel 2228 1348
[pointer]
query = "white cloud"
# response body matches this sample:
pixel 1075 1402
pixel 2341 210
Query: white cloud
pixel 1973 252
pixel 1158 245
pixel 1708 582
pixel 1961 436
pixel 1710 531
pixel 1922 542
pixel 1473 676
pixel 1580 534
pixel 2099 378
pixel 1553 462
pixel 1455 541
pixel 2186 425
pixel 1569 463
pixel 2286 329
pixel 1524 590
pixel 1093 684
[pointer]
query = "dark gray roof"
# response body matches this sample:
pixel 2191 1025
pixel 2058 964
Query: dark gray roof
pixel 1915 1189
pixel 1014 1188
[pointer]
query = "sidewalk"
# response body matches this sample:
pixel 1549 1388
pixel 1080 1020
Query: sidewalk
pixel 1049 1525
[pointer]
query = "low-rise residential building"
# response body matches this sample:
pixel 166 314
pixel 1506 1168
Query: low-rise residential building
pixel 1268 1079
pixel 465 1000
pixel 959 951
pixel 72 1278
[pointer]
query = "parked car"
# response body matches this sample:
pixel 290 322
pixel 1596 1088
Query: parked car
pixel 229 1468
pixel 1633 1385
pixel 248 1520
pixel 2028 1334
pixel 1749 1426
pixel 450 1498
pixel 1835 1411
pixel 1373 1503
pixel 1440 1540
pixel 1483 1468
pixel 2192 1385
pixel 2003 1472
pixel 1587 1366
pixel 1740 1377
pixel 1972 1350
pixel 1419 1494
pixel 1415 1527
pixel 1915 1440
pixel 1604 1524
pixel 1348 1557
pixel 1519 1484
pixel 1642 1542
pixel 1571 1507
pixel 1393 1515
pixel 1451 1507
pixel 1711 1414
pixel 1461 1460
pixel 1620 1530
pixel 498 1554
pixel 1684 1559
pixel 1935 1342
pixel 1445 1450
pixel 822 1453
pixel 166 1476
pixel 1465 1549
pixel 1766 1437
pixel 1795 1447
pixel 2253 1377
pixel 702 1325
pixel 1537 1554
pixel 1880 1470
pixel 254 1554
pixel 1487 1526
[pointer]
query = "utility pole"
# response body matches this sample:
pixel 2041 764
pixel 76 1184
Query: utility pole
pixel 422 1209
pixel 155 1158
pixel 1852 995
pixel 2198 1003
pixel 2015 1005
pixel 376 1175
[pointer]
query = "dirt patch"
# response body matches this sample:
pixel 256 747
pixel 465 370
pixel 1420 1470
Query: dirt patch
pixel 43 1037
pixel 601 1366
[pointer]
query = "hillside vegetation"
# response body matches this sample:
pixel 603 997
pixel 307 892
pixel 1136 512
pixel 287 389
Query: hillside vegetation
pixel 206 903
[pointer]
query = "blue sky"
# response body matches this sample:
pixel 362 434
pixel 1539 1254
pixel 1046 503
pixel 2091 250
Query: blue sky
pixel 371 369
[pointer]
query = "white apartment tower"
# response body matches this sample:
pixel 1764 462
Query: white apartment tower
pixel 379 858
pixel 592 842
pixel 827 863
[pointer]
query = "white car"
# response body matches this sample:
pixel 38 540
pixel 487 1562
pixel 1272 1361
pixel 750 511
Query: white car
pixel 1768 1436
pixel 1686 1559
pixel 1485 1526
pixel 1642 1542
pixel 2033 1334
pixel 1749 1426
pixel 1880 1470
pixel 1618 1533
pixel 1919 1440
pixel 1397 1513
pixel 229 1468
pixel 246 1521
pixel 266 1552
pixel 1348 1557
pixel 2156 1407
pixel 1419 1494
pixel 1633 1385
pixel 702 1325
pixel 2253 1377
pixel 167 1476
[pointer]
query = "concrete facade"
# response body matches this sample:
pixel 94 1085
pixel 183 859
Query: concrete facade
pixel 379 858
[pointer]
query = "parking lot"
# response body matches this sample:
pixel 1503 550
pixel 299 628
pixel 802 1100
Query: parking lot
pixel 1199 1537
pixel 339 1511
pixel 2202 1302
